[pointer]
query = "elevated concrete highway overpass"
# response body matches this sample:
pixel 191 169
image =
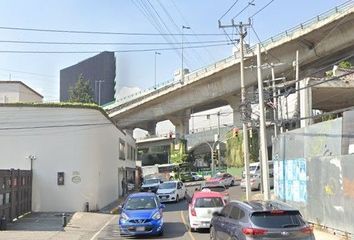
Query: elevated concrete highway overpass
pixel 320 41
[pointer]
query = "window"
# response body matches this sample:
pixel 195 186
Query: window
pixel 282 219
pixel 209 202
pixel 121 149
pixel 225 211
pixel 1 199
pixel 236 213
pixel 7 198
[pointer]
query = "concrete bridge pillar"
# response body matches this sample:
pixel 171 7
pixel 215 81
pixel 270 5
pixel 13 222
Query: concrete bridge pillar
pixel 181 122
pixel 305 103
pixel 234 102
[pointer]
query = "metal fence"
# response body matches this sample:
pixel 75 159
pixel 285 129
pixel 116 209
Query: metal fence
pixel 15 193
pixel 311 174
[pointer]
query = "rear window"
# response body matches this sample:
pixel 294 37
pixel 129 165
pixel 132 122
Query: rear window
pixel 216 188
pixel 286 219
pixel 209 202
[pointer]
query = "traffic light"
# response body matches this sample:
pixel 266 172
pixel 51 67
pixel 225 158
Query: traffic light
pixel 235 132
pixel 215 155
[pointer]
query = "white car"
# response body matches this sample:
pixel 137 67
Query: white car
pixel 256 182
pixel 196 177
pixel 171 191
pixel 202 207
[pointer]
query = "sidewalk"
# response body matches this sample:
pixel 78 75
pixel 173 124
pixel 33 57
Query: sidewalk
pixel 44 226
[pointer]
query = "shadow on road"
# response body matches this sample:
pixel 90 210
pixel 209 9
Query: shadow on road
pixel 171 230
pixel 176 207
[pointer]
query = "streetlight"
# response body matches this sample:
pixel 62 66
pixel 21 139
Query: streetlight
pixel 212 148
pixel 156 53
pixel 182 74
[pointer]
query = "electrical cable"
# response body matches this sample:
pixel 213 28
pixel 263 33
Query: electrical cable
pixel 228 10
pixel 249 4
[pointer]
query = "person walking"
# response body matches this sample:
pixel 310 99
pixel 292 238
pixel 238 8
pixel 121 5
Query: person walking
pixel 124 185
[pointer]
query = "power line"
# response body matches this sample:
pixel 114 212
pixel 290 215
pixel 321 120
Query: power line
pixel 249 4
pixel 116 51
pixel 260 10
pixel 228 10
pixel 54 126
pixel 103 43
pixel 104 32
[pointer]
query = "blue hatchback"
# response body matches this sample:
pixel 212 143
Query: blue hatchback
pixel 141 214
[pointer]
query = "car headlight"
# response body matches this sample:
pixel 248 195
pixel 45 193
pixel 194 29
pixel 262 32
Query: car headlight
pixel 156 216
pixel 173 192
pixel 124 217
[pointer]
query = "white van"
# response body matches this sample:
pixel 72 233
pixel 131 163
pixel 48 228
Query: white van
pixel 255 169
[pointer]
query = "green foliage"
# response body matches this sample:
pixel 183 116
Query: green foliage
pixel 81 92
pixel 178 152
pixel 234 149
pixel 345 64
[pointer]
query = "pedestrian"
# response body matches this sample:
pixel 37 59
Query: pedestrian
pixel 123 187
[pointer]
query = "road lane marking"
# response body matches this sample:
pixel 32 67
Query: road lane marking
pixel 105 225
pixel 185 224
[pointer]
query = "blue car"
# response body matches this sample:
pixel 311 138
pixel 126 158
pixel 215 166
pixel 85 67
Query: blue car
pixel 141 214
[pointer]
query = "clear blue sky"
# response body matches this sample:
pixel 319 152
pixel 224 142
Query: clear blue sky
pixel 134 69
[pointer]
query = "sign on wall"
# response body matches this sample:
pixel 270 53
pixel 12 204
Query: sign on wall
pixel 76 177
pixel 60 178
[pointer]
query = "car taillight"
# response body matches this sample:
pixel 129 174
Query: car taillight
pixel 226 193
pixel 254 231
pixel 277 212
pixel 193 212
pixel 307 230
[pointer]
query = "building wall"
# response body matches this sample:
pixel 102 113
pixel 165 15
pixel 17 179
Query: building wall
pixel 9 93
pixel 16 92
pixel 82 143
pixel 99 67
pixel 28 96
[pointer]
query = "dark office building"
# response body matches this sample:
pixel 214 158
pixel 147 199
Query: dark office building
pixel 99 70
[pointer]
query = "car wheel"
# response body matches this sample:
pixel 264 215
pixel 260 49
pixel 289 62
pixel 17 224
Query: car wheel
pixel 259 187
pixel 177 198
pixel 212 233
pixel 193 229
pixel 232 183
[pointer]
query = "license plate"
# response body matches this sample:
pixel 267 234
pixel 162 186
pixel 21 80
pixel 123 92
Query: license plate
pixel 149 190
pixel 140 229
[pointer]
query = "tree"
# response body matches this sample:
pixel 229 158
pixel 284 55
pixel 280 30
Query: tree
pixel 81 92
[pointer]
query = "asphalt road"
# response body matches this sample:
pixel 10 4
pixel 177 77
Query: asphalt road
pixel 176 221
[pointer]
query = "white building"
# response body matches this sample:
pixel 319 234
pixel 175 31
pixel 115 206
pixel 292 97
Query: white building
pixel 81 144
pixel 17 91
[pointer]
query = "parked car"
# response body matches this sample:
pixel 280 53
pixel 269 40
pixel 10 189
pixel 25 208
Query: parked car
pixel 151 185
pixel 217 187
pixel 259 220
pixel 141 214
pixel 256 181
pixel 186 177
pixel 196 176
pixel 171 191
pixel 225 178
pixel 202 207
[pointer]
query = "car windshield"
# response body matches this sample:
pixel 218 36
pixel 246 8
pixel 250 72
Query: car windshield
pixel 151 181
pixel 208 202
pixel 253 168
pixel 139 203
pixel 278 219
pixel 215 188
pixel 167 185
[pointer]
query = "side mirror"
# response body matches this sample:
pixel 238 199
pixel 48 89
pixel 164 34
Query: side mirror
pixel 162 206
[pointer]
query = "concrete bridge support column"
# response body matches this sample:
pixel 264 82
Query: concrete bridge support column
pixel 305 103
pixel 181 122
pixel 234 102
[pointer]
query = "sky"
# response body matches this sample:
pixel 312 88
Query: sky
pixel 134 69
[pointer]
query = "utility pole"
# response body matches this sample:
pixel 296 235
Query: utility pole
pixel 156 53
pixel 99 90
pixel 182 73
pixel 275 105
pixel 297 84
pixel 246 153
pixel 218 146
pixel 262 128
